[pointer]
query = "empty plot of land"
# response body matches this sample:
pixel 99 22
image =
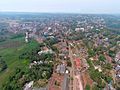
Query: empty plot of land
pixel 11 44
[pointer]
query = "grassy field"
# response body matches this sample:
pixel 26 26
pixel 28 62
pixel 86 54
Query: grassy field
pixel 10 51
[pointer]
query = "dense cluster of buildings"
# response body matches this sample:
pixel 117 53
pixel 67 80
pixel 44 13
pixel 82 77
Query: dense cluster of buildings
pixel 58 28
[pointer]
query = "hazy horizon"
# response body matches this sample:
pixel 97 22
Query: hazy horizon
pixel 62 6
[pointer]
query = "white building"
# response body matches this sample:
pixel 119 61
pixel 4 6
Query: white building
pixel 26 37
pixel 28 86
pixel 117 58
pixel 45 52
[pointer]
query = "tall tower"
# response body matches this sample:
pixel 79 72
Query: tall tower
pixel 26 37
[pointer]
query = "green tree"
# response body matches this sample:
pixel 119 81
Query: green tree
pixel 3 64
pixel 91 52
pixel 87 87
pixel 102 58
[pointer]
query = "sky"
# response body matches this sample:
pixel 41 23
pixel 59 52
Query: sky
pixel 61 6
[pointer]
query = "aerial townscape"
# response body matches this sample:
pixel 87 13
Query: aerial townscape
pixel 43 51
pixel 59 44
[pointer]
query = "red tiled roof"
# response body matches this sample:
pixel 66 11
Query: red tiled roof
pixel 77 62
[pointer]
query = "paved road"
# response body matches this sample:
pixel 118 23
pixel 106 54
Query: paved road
pixel 65 82
pixel 72 69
